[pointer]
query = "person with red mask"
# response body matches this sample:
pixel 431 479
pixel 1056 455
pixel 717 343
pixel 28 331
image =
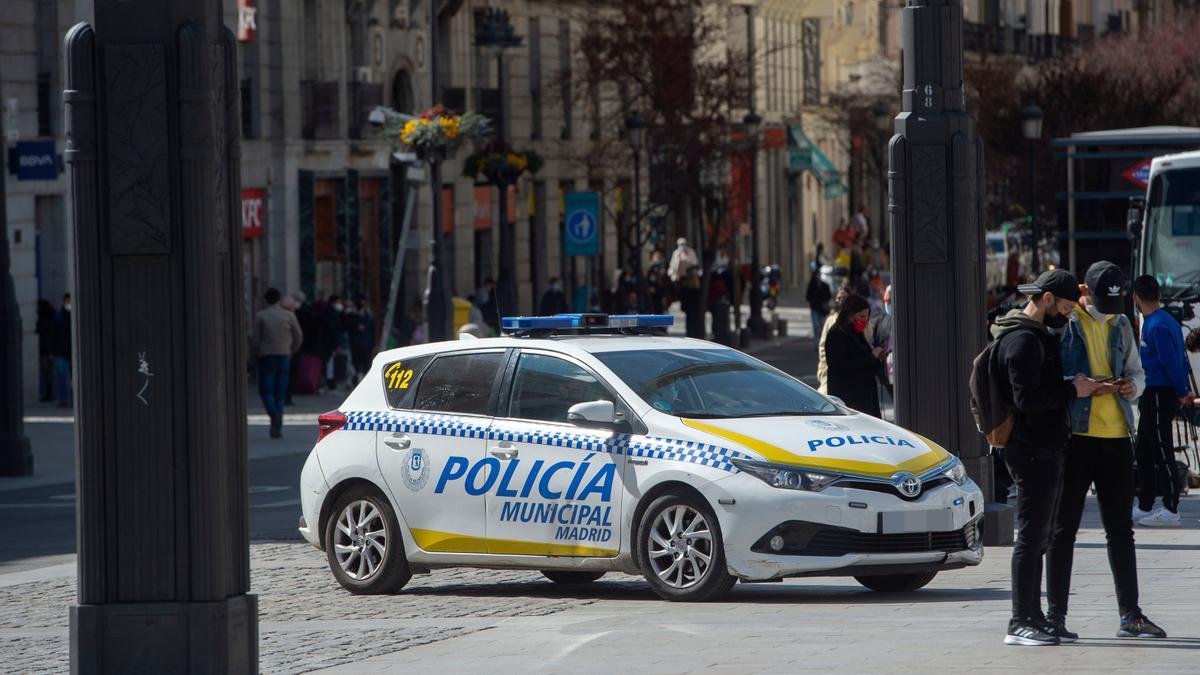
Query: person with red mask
pixel 853 364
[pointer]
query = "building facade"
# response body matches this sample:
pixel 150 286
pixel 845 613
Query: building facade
pixel 324 196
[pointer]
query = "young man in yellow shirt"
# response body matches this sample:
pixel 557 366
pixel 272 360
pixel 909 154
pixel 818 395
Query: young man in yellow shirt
pixel 1098 341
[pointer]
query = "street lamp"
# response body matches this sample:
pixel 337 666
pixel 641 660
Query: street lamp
pixel 493 34
pixel 635 133
pixel 437 296
pixel 1031 128
pixel 758 328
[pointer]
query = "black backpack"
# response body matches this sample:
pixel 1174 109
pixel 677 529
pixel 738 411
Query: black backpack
pixel 991 404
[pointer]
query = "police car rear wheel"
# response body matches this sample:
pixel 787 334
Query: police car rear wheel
pixel 561 577
pixel 680 550
pixel 896 583
pixel 363 544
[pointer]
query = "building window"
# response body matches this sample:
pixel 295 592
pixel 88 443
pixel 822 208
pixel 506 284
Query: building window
pixel 564 69
pixel 535 78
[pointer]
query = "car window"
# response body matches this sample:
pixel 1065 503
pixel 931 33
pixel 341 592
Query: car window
pixel 545 387
pixel 459 383
pixel 400 381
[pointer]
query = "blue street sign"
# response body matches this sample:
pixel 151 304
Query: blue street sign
pixel 582 235
pixel 33 160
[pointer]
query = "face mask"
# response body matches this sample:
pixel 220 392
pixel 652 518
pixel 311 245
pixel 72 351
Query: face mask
pixel 1056 321
pixel 860 325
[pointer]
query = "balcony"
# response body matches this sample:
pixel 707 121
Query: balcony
pixel 1006 40
pixel 320 110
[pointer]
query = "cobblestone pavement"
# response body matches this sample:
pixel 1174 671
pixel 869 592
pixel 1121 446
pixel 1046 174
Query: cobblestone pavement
pixel 472 620
pixel 306 620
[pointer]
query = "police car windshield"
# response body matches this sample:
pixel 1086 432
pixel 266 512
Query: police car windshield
pixel 713 383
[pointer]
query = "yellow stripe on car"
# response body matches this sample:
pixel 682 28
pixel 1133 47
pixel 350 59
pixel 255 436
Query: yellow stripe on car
pixel 448 542
pixel 776 454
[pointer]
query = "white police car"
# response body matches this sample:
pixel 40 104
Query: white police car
pixel 586 444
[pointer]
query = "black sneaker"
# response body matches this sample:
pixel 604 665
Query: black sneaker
pixel 1029 633
pixel 1136 625
pixel 1057 626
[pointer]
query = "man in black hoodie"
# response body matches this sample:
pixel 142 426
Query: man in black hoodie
pixel 1031 375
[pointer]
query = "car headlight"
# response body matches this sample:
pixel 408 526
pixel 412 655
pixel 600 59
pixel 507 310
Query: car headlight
pixel 784 476
pixel 957 472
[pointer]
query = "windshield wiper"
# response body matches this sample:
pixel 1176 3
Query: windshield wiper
pixel 787 413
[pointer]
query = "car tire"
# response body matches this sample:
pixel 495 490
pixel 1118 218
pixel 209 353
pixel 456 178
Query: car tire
pixel 563 577
pixel 896 583
pixel 672 558
pixel 363 544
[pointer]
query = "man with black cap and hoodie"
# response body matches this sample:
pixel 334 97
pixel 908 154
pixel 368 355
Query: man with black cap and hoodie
pixel 1098 342
pixel 1029 372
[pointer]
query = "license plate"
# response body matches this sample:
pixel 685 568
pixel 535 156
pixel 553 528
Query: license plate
pixel 897 522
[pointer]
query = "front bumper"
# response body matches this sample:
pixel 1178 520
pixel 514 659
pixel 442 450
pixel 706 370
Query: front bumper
pixel 838 531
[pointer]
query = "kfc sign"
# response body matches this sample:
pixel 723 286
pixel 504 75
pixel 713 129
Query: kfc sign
pixel 254 215
pixel 247 20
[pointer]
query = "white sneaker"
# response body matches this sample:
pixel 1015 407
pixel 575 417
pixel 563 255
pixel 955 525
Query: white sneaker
pixel 1160 518
pixel 1138 513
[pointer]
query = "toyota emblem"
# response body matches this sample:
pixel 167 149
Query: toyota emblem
pixel 908 484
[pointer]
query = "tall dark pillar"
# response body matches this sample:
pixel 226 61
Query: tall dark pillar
pixel 160 405
pixel 936 185
pixel 15 456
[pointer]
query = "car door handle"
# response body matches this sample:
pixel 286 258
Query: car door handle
pixel 505 451
pixel 399 442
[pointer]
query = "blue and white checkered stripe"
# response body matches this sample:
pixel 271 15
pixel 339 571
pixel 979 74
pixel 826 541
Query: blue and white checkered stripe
pixel 652 447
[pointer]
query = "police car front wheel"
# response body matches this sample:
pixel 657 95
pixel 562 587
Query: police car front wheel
pixel 896 583
pixel 363 544
pixel 680 550
pixel 564 577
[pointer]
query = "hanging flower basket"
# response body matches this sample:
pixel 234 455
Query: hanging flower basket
pixel 497 163
pixel 438 131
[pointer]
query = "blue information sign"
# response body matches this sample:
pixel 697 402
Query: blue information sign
pixel 582 232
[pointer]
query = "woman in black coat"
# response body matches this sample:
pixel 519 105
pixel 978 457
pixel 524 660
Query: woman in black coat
pixel 853 365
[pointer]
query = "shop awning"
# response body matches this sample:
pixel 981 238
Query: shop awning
pixel 804 155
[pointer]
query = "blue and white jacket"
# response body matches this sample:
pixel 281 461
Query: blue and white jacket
pixel 1123 355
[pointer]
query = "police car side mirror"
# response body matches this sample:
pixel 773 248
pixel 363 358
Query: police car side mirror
pixel 596 414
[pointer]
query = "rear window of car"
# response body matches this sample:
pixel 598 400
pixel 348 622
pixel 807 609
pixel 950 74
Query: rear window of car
pixel 400 380
pixel 459 383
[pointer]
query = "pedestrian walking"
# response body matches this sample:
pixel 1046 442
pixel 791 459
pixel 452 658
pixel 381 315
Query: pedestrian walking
pixel 554 301
pixel 1028 375
pixel 275 336
pixel 822 363
pixel 692 303
pixel 362 337
pixel 853 365
pixel 818 296
pixel 1098 342
pixel 60 348
pixel 337 337
pixel 683 258
pixel 45 334
pixel 1166 365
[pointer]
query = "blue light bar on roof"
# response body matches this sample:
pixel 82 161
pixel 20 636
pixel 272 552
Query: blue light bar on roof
pixel 641 320
pixel 585 321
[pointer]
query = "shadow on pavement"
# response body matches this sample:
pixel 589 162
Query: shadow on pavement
pixel 743 593
pixel 1139 643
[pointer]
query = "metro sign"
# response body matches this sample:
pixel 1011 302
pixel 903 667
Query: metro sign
pixel 1139 174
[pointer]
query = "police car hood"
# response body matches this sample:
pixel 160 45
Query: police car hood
pixel 858 444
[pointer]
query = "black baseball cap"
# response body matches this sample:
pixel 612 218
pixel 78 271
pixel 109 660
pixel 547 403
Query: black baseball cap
pixel 1106 284
pixel 1060 282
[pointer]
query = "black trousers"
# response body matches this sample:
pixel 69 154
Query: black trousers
pixel 1037 473
pixel 1156 448
pixel 1108 462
